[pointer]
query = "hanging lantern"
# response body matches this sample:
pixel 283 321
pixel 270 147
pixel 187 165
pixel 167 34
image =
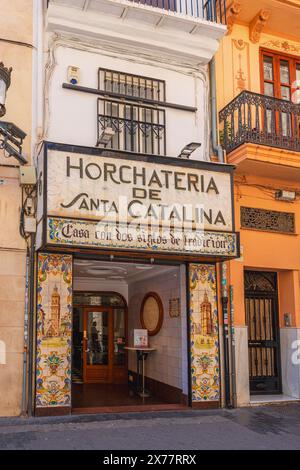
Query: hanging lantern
pixel 5 80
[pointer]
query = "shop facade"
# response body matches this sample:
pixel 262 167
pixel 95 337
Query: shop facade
pixel 105 261
pixel 132 216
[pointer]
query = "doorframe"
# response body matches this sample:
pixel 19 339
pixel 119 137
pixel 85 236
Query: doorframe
pixel 108 366
pixel 83 307
pixel 276 326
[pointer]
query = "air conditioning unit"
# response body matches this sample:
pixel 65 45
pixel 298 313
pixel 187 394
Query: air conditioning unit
pixel 287 196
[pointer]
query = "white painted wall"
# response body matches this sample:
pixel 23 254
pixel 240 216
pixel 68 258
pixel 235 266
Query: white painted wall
pixel 165 364
pixel 72 116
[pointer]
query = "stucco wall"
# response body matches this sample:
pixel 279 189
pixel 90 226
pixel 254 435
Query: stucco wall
pixel 73 115
pixel 15 25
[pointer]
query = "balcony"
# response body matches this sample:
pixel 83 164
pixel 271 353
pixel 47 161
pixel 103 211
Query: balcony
pixel 187 31
pixel 261 136
pixel 259 119
pixel 209 10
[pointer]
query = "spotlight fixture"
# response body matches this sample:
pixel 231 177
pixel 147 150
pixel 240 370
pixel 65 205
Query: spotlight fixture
pixel 5 80
pixel 187 151
pixel 11 141
pixel 106 136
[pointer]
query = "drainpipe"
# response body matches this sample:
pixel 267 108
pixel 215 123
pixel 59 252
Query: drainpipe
pixel 217 149
pixel 31 323
pixel 25 351
pixel 232 335
pixel 225 301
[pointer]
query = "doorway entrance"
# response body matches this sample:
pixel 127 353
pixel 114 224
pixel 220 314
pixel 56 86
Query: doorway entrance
pixel 99 338
pixel 109 313
pixel 261 304
pixel 104 339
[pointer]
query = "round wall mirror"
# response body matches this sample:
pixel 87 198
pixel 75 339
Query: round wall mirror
pixel 152 313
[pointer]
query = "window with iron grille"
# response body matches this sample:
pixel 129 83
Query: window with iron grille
pixel 138 128
pixel 136 86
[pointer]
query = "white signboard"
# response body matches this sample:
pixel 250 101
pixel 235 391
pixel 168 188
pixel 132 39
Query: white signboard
pixel 119 190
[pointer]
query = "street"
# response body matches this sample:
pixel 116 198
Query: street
pixel 272 428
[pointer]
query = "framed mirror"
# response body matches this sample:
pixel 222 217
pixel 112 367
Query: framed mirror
pixel 152 313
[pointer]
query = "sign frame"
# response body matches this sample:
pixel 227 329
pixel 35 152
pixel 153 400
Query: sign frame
pixel 128 156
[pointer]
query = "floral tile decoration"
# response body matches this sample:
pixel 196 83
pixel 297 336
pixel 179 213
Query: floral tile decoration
pixel 54 331
pixel 204 333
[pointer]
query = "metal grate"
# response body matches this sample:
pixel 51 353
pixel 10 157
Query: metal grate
pixel 261 307
pixel 127 84
pixel 210 10
pixel 140 129
pixel 266 220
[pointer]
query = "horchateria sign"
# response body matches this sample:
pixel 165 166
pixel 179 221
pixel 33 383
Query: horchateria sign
pixel 166 205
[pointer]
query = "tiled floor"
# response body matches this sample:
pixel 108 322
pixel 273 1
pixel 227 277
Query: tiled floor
pixel 112 398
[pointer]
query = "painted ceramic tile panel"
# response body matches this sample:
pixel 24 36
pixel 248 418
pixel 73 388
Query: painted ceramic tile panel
pixel 204 333
pixel 54 331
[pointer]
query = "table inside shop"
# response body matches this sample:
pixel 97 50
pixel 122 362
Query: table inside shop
pixel 141 356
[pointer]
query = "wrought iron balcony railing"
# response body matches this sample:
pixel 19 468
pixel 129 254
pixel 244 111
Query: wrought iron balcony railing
pixel 260 119
pixel 210 10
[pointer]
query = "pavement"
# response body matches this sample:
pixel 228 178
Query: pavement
pixel 269 427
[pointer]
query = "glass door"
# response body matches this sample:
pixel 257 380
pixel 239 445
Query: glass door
pixel 98 324
pixel 104 341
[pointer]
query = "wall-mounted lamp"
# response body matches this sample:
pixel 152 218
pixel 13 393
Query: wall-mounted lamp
pixel 187 151
pixel 106 136
pixel 5 80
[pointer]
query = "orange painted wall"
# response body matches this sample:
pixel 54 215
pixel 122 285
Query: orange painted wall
pixel 238 69
pixel 266 250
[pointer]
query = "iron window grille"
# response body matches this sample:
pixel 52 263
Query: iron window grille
pixel 138 128
pixel 126 84
pixel 267 220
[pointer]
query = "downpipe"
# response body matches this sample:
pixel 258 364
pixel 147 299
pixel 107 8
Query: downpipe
pixel 216 148
pixel 232 336
pixel 226 340
pixel 218 151
pixel 25 350
pixel 31 323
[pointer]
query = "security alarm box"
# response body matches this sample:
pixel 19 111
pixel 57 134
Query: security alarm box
pixel 27 176
pixel 73 75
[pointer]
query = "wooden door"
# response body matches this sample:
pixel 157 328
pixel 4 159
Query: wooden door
pixel 104 338
pixel 97 348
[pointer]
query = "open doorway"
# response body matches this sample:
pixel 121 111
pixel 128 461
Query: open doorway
pixel 108 303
